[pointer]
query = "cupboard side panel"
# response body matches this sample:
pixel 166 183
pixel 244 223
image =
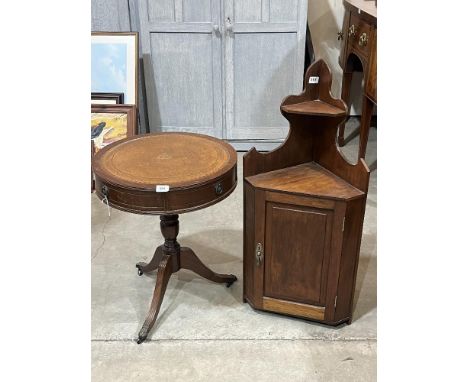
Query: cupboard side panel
pixel 335 260
pixel 249 240
pixel 350 258
pixel 258 270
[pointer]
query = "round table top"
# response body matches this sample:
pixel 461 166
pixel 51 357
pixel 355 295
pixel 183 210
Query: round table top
pixel 177 160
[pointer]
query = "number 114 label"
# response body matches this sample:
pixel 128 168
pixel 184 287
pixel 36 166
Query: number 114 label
pixel 313 80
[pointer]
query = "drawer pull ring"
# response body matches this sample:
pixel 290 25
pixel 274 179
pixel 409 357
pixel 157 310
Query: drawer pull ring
pixel 352 31
pixel 104 190
pixel 218 189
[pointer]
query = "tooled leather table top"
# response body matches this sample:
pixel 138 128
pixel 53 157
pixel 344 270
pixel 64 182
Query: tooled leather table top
pixel 175 159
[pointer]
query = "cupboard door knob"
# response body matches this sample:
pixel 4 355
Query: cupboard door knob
pixel 363 39
pixel 216 28
pixel 228 25
pixel 259 254
pixel 352 31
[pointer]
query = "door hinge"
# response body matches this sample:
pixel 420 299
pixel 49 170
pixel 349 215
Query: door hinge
pixel 344 220
pixel 336 297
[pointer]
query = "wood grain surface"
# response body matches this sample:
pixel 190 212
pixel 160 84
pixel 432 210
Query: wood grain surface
pixel 294 308
pixel 308 179
pixel 315 107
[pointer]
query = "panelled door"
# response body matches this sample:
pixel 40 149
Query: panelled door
pixel 264 60
pixel 292 276
pixel 181 48
pixel 297 269
pixel 221 67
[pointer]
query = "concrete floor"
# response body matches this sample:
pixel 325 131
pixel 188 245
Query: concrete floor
pixel 204 331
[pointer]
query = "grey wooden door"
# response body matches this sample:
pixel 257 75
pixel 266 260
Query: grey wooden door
pixel 222 67
pixel 264 60
pixel 110 15
pixel 181 46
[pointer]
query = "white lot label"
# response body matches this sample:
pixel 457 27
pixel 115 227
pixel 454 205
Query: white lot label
pixel 162 188
pixel 313 80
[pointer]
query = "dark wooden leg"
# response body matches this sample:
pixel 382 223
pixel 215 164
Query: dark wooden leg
pixel 169 264
pixel 345 90
pixel 164 273
pixel 170 257
pixel 188 260
pixel 153 264
pixel 367 108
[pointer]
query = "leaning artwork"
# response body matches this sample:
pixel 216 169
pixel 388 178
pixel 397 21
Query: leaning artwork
pixel 107 128
pixel 114 64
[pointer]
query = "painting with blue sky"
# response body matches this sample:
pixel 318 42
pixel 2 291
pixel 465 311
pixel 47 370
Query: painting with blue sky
pixel 109 68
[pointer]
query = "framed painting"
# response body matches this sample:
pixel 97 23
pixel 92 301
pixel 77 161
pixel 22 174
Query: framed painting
pixel 107 98
pixel 114 64
pixel 111 123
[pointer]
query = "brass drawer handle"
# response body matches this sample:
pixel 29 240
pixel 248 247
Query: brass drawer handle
pixel 352 31
pixel 259 254
pixel 363 39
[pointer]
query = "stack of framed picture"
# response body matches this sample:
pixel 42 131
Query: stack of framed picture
pixel 114 88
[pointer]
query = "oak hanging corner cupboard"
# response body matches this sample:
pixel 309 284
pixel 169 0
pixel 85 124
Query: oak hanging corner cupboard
pixel 304 209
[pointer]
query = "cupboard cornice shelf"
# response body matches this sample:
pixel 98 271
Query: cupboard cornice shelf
pixel 315 107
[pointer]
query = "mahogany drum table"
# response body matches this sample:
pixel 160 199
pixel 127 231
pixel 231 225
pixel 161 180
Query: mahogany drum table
pixel 167 174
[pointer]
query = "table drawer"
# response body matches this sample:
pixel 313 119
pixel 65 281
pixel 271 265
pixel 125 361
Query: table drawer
pixel 359 35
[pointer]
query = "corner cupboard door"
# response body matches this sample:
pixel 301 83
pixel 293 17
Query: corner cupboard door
pixel 264 60
pixel 181 47
pixel 296 259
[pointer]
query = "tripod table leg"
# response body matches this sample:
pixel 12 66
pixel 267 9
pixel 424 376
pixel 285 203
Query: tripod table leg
pixel 164 273
pixel 188 260
pixel 153 264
